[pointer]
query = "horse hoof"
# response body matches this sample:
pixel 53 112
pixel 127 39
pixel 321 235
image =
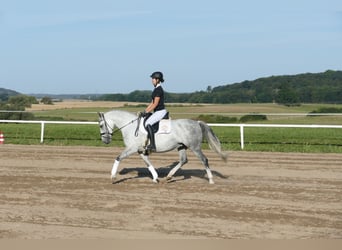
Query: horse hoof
pixel 155 181
pixel 113 178
pixel 211 181
pixel 168 178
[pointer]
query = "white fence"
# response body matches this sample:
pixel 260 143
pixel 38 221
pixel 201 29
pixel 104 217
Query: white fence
pixel 242 126
pixel 42 124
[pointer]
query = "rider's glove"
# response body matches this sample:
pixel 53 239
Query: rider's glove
pixel 142 113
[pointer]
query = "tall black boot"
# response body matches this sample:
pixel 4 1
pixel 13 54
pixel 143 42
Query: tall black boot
pixel 152 146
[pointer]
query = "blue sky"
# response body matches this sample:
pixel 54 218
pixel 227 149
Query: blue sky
pixel 102 46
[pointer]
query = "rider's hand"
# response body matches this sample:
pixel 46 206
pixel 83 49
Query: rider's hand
pixel 142 113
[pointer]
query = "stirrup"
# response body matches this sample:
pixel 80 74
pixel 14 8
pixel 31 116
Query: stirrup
pixel 149 149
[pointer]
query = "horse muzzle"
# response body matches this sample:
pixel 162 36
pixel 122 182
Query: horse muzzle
pixel 106 138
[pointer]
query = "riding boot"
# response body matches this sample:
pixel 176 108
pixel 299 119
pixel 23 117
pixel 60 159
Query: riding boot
pixel 152 146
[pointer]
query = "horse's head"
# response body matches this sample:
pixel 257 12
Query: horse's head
pixel 106 131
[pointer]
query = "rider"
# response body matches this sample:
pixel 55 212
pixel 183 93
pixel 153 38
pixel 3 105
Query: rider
pixel 156 106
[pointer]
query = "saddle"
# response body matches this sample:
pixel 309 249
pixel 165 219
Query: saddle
pixel 161 127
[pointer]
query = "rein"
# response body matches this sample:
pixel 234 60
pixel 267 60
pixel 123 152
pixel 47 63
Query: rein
pixel 127 125
pixel 115 130
pixel 138 125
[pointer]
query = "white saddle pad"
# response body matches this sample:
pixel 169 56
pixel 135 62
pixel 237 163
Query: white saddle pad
pixel 164 127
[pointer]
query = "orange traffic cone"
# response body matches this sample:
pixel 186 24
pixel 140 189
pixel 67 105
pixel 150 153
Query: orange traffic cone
pixel 2 138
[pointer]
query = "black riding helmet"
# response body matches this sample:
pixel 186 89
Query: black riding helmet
pixel 158 75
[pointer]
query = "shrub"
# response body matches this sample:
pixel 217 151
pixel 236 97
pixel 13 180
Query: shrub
pixel 46 100
pixel 217 119
pixel 326 110
pixel 253 117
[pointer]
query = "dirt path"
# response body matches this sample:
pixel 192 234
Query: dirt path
pixel 66 192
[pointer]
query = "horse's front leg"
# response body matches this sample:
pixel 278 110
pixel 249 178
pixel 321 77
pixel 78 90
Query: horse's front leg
pixel 123 155
pixel 115 169
pixel 150 168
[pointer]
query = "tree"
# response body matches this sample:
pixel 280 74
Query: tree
pixel 287 95
pixel 22 101
pixel 16 115
pixel 46 100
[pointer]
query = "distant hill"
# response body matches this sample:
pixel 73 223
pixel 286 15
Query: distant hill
pixel 7 93
pixel 323 87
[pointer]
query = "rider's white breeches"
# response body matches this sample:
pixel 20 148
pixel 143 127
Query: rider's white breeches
pixel 156 117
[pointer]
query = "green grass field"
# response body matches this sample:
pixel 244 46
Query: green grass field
pixel 256 139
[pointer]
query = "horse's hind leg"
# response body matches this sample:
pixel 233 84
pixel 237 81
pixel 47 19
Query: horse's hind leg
pixel 182 160
pixel 205 162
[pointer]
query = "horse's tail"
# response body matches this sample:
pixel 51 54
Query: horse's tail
pixel 214 142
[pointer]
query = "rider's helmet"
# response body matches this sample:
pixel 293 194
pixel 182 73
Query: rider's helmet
pixel 158 75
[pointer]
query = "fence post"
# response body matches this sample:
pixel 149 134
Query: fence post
pixel 241 136
pixel 42 132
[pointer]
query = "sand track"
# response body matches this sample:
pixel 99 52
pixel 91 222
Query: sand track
pixel 66 193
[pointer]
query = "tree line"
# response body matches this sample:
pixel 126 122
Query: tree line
pixel 323 87
pixel 13 107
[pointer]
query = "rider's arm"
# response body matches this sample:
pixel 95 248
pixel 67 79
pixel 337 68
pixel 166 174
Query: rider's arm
pixel 152 105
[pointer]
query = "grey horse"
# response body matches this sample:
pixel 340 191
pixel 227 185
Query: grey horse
pixel 185 134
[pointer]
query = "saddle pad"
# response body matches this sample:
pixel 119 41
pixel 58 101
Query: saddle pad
pixel 164 126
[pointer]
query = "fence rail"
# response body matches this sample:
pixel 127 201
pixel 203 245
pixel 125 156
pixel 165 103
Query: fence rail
pixel 242 126
pixel 42 124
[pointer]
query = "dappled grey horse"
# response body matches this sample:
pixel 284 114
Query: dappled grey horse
pixel 184 134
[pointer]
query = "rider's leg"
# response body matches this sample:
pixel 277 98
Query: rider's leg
pixel 152 146
pixel 154 118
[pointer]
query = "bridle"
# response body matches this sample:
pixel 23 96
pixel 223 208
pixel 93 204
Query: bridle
pixel 107 126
